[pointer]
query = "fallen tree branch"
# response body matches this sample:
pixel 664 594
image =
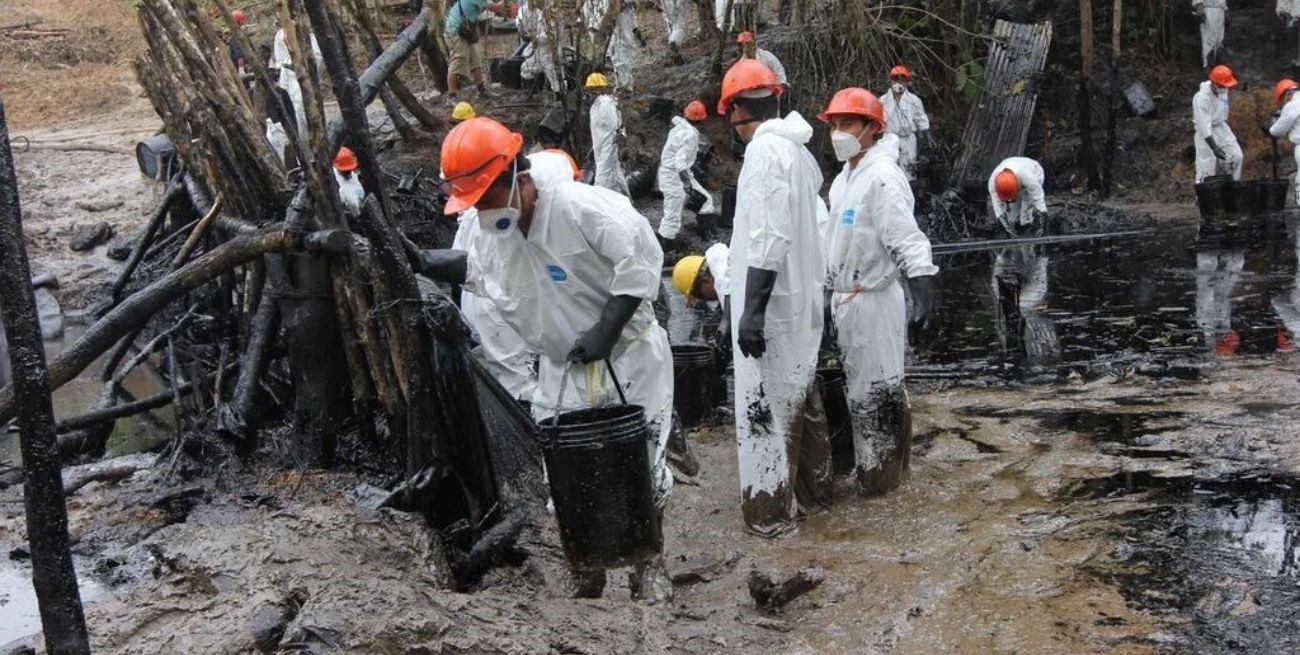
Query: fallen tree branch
pixel 138 308
pixel 111 474
pixel 192 241
pixel 150 231
pixel 382 68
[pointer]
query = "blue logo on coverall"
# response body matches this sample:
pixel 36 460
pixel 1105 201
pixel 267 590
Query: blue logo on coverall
pixel 503 223
pixel 557 273
pixel 847 217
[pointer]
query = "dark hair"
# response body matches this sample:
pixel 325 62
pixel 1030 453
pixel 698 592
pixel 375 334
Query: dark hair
pixel 760 108
pixel 520 165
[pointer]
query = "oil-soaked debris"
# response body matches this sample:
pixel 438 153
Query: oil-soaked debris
pixel 772 594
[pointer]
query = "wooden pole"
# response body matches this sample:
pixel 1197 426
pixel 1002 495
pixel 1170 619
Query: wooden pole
pixel 1087 154
pixel 53 576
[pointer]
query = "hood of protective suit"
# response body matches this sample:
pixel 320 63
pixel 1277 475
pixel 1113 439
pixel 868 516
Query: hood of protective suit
pixel 679 121
pixel 1207 87
pixel 793 127
pixel 886 148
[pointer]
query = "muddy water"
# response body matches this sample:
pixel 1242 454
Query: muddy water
pixel 18 613
pixel 131 434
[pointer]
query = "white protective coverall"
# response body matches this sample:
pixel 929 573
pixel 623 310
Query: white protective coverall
pixel 718 257
pixel 538 56
pixel 777 209
pixel 622 42
pixel 585 245
pixel 282 59
pixel 1216 11
pixel 872 242
pixel 351 193
pixel 278 138
pixel 504 353
pixel 675 20
pixel 1288 125
pixel 678 155
pixel 905 117
pixel 1210 118
pixel 606 127
pixel 1020 211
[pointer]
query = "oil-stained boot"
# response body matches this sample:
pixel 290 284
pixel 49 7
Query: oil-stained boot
pixel 650 583
pixel 888 433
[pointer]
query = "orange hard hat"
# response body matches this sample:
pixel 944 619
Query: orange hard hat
pixel 696 111
pixel 1007 185
pixel 346 160
pixel 900 71
pixel 1222 75
pixel 474 154
pixel 855 101
pixel 745 37
pixel 1280 89
pixel 238 16
pixel 745 76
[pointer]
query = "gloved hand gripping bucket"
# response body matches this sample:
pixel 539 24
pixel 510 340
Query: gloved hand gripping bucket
pixel 598 464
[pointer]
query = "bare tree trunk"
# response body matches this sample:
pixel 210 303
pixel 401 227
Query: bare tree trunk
pixel 53 575
pixel 1087 153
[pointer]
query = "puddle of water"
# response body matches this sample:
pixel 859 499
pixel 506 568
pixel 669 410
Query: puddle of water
pixel 131 434
pixel 1229 558
pixel 1122 427
pixel 1176 293
pixel 19 616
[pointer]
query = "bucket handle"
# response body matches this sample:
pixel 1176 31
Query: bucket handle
pixel 564 383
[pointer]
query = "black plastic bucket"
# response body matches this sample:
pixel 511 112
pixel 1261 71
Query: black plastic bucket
pixel 1248 199
pixel 599 470
pixel 1214 195
pixel 692 383
pixel 834 389
pixel 721 365
pixel 1274 194
pixel 704 224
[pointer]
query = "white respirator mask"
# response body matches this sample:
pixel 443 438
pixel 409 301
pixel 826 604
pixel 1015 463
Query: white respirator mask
pixel 899 88
pixel 499 221
pixel 846 145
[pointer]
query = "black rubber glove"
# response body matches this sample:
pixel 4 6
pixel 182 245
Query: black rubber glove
pixel 724 327
pixel 443 265
pixel 921 289
pixel 598 342
pixel 694 199
pixel 759 284
pixel 1214 147
pixel 685 177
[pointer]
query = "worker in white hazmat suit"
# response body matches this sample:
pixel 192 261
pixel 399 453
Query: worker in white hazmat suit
pixel 905 118
pixel 1212 14
pixel 539 57
pixel 1016 196
pixel 606 132
pixel 280 116
pixel 1287 123
pixel 624 41
pixel 282 59
pixel 573 269
pixel 872 245
pixel 351 193
pixel 704 277
pixel 777 269
pixel 1216 146
pixel 504 353
pixel 1289 12
pixel 676 180
pixel 749 50
pixel 675 23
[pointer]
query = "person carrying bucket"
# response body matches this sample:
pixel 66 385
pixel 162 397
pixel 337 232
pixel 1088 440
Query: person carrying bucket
pixel 573 269
pixel 1216 146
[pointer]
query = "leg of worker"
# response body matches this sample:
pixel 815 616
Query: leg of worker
pixel 872 332
pixel 814 478
pixel 1296 155
pixel 674 201
pixel 458 66
pixel 1232 149
pixel 762 406
pixel 907 155
pixel 1213 29
pixel 1205 159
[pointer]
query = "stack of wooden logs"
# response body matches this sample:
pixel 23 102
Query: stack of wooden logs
pixel 282 272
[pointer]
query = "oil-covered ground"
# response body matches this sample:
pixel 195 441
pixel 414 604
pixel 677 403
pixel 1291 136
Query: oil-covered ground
pixel 1106 464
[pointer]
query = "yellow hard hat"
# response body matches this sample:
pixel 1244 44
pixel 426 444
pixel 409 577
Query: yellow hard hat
pixel 596 81
pixel 463 111
pixel 685 272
